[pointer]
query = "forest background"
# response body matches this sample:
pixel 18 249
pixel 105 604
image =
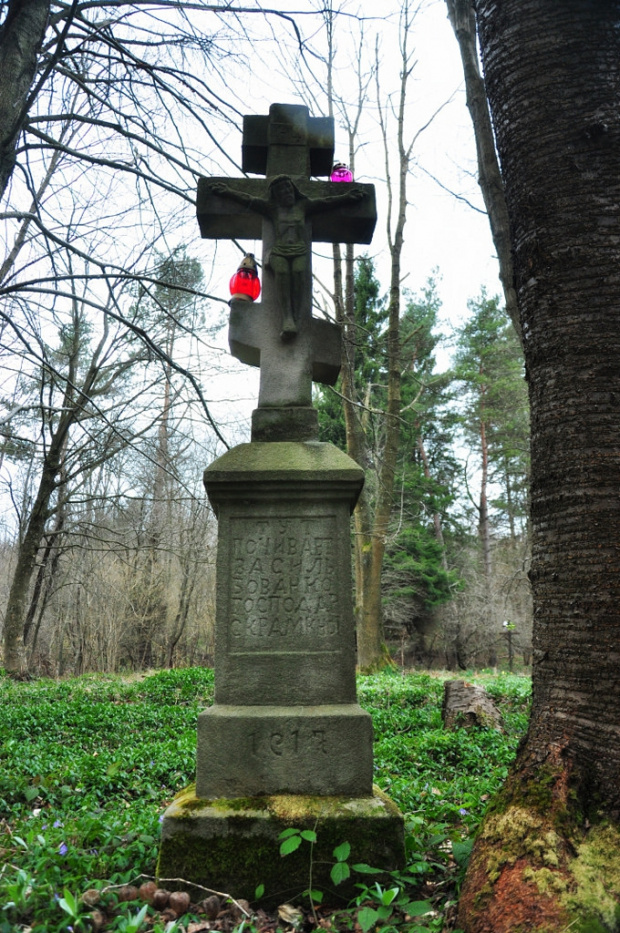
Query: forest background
pixel 117 389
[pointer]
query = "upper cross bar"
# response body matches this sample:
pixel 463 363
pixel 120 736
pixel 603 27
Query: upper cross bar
pixel 288 141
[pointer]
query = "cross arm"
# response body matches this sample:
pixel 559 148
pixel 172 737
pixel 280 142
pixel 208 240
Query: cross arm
pixel 226 214
pixel 334 201
pixel 349 216
pixel 338 218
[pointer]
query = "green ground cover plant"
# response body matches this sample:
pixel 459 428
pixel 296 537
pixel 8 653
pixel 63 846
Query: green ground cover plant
pixel 88 765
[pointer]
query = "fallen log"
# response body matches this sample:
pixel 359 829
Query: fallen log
pixel 466 705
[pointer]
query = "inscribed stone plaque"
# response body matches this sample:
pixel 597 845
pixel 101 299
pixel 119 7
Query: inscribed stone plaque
pixel 283 586
pixel 284 628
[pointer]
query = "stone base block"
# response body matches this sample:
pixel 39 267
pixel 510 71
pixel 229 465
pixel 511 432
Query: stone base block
pixel 263 750
pixel 285 424
pixel 232 846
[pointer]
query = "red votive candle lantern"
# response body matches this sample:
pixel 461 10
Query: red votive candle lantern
pixel 341 172
pixel 245 284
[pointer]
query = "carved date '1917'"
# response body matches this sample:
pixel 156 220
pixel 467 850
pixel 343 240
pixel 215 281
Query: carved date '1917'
pixel 288 743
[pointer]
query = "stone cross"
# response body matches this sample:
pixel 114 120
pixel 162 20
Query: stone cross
pixel 290 212
pixel 285 744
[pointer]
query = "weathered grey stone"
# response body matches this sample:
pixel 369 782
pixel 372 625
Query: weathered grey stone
pixel 232 845
pixel 288 140
pixel 285 634
pixel 287 369
pixel 254 331
pixel 285 424
pixel 222 219
pixel 290 212
pixel 261 750
pixel 284 462
pixel 285 743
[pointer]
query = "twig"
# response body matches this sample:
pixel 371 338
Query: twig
pixel 193 884
pixel 112 887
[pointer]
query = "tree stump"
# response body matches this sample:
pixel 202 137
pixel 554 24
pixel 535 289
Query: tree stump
pixel 465 705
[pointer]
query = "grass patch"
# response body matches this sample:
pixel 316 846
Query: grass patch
pixel 87 766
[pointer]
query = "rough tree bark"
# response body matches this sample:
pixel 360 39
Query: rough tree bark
pixel 21 35
pixel 468 705
pixel 547 857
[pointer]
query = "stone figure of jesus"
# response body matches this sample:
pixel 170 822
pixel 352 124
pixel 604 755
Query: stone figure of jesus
pixel 288 257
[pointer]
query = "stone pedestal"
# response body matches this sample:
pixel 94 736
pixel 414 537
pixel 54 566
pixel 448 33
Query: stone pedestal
pixel 285 718
pixel 285 723
pixel 232 845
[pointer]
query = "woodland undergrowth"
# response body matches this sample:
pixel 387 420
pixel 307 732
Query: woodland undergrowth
pixel 89 764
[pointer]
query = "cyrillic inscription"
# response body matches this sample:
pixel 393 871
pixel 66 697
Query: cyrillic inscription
pixel 283 585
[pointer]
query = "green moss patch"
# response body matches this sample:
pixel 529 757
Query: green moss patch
pixel 233 845
pixel 517 833
pixel 595 902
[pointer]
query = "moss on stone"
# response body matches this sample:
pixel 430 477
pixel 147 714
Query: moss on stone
pixel 242 804
pixel 233 845
pixel 204 863
pixel 281 459
pixel 187 799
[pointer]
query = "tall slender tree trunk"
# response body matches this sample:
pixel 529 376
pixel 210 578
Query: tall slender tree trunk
pixel 463 21
pixel 372 513
pixel 367 553
pixel 73 402
pixel 27 553
pixel 436 516
pixel 484 531
pixel 545 857
pixel 43 586
pixel 26 558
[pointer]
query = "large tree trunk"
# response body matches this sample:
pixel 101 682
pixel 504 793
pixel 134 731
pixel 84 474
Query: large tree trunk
pixel 545 857
pixel 21 35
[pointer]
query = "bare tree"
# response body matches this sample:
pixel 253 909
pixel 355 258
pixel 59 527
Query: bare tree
pixel 83 420
pixel 373 428
pixel 108 112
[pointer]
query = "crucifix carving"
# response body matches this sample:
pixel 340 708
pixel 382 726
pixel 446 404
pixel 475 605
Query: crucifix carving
pixel 290 212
